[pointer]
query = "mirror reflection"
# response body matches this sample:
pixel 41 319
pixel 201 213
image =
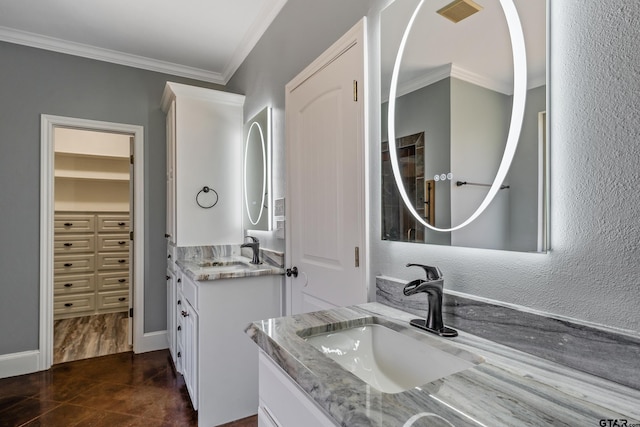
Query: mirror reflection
pixel 452 116
pixel 257 172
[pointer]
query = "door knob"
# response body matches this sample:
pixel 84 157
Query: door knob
pixel 292 272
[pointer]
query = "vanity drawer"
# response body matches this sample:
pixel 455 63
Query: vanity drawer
pixel 113 300
pixel 113 242
pixel 64 305
pixel 190 292
pixel 113 261
pixel 74 243
pixel 81 263
pixel 74 223
pixel 113 281
pixel 113 223
pixel 72 284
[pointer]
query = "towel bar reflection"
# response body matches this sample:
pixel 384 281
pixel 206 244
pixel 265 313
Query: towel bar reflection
pixel 461 183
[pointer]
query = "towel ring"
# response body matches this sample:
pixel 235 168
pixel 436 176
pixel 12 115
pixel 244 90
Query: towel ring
pixel 206 189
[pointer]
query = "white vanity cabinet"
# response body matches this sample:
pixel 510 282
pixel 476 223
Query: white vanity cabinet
pixel 282 403
pixel 217 359
pixel 204 149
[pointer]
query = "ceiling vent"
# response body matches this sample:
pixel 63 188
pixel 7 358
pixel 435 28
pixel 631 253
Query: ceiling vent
pixel 458 10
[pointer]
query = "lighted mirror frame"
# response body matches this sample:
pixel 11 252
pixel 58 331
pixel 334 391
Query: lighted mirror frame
pixel 515 126
pixel 260 123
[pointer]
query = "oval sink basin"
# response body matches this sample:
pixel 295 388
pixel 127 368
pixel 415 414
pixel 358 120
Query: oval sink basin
pixel 388 360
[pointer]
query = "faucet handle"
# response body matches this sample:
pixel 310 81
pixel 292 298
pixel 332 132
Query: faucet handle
pixel 253 239
pixel 433 273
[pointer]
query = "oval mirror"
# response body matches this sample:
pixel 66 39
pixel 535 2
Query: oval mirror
pixel 256 171
pixel 458 88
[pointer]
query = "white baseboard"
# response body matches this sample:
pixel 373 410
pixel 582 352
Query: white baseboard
pixel 26 362
pixel 152 341
pixel 21 363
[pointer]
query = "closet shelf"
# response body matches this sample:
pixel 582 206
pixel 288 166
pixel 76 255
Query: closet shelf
pixel 123 158
pixel 92 176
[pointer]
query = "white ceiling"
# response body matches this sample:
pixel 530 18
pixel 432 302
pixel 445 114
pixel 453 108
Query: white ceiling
pixel 201 39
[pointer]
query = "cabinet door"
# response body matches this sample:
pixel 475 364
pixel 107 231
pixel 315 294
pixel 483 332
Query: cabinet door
pixel 208 153
pixel 180 329
pixel 172 323
pixel 265 419
pixel 191 352
pixel 284 401
pixel 171 164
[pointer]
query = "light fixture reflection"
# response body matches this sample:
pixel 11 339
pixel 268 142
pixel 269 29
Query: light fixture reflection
pixel 264 173
pixel 517 113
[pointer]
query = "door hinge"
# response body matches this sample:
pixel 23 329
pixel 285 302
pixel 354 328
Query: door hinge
pixel 131 158
pixel 355 90
pixel 131 235
pixel 357 254
pixel 131 312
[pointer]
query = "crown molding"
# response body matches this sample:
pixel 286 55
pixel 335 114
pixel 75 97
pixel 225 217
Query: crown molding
pixel 78 49
pixel 266 16
pixel 482 81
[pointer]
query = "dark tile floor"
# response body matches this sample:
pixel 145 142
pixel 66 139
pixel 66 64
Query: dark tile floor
pixel 117 390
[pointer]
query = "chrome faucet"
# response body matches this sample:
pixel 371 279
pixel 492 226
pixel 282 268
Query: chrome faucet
pixel 433 287
pixel 255 247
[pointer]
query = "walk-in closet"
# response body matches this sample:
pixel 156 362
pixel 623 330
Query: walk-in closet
pixel 92 289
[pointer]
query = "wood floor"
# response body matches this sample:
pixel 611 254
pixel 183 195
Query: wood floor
pixel 124 389
pixel 90 336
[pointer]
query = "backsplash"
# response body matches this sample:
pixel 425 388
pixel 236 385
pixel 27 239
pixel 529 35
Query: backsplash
pixel 599 352
pixel 198 253
pixel 191 253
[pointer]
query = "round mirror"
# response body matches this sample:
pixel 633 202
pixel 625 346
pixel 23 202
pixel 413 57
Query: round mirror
pixel 404 74
pixel 256 177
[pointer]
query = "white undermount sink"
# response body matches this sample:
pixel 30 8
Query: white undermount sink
pixel 388 360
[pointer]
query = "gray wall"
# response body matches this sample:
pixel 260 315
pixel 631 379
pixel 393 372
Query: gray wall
pixel 591 272
pixel 479 126
pixel 523 196
pixel 35 82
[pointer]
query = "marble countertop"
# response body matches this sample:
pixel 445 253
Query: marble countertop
pixel 509 388
pixel 231 267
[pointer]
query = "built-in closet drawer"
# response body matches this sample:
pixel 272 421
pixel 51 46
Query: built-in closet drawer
pixel 74 223
pixel 113 281
pixel 80 263
pixel 116 300
pixel 72 304
pixel 113 261
pixel 113 223
pixel 74 243
pixel 113 242
pixel 73 284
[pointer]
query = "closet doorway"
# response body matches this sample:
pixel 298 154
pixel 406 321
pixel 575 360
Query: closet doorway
pixel 89 281
pixel 91 274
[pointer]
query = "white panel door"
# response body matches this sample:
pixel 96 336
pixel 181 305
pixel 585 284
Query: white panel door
pixel 325 163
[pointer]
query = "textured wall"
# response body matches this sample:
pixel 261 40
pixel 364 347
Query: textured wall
pixel 35 82
pixel 591 273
